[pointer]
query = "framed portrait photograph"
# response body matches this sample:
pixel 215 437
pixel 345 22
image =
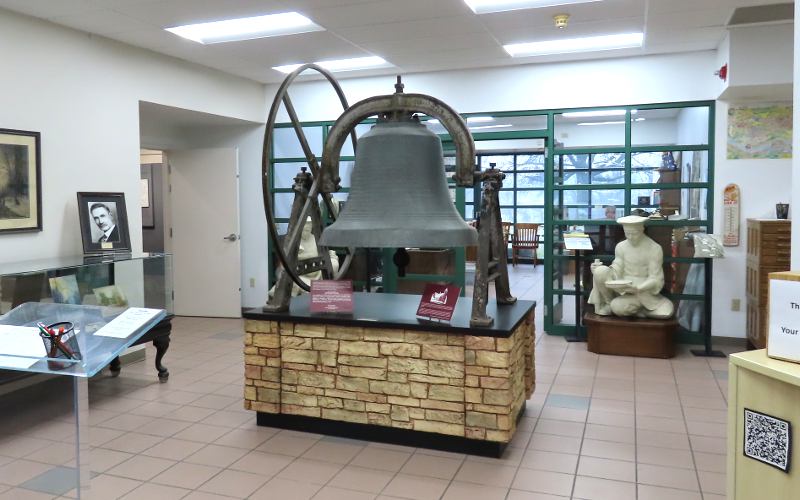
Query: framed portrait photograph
pixel 104 222
pixel 20 181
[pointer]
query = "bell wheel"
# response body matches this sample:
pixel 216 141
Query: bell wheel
pixel 308 200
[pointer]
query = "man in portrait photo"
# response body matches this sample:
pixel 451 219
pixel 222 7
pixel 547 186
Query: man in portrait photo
pixel 104 217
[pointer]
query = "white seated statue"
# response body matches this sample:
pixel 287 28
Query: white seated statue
pixel 631 285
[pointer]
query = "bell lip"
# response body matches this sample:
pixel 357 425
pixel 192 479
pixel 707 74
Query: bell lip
pixel 397 238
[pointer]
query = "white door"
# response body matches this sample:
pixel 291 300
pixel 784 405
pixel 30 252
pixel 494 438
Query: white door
pixel 205 232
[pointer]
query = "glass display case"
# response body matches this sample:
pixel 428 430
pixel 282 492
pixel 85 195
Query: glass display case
pixel 118 280
pixel 74 343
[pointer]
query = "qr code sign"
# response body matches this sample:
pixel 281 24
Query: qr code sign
pixel 767 439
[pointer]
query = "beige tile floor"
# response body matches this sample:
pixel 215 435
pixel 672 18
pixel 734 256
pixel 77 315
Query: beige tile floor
pixel 597 427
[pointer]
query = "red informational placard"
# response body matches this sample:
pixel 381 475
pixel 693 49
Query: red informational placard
pixel 332 296
pixel 438 301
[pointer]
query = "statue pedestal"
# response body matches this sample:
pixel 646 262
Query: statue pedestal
pixel 651 338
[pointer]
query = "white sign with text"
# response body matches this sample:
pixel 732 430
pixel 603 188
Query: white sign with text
pixel 783 340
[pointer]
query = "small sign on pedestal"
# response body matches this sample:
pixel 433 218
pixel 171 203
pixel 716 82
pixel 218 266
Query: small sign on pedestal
pixel 438 301
pixel 332 296
pixel 783 337
pixel 577 241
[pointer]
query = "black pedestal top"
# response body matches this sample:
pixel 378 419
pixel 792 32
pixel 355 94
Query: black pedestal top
pixel 388 310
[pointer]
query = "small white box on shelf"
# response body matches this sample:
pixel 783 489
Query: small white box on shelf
pixel 783 338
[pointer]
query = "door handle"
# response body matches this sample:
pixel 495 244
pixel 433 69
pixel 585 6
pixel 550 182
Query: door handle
pixel 231 237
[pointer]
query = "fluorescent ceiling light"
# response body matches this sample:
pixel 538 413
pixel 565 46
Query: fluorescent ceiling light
pixel 340 64
pixel 487 6
pixel 247 28
pixel 570 45
pixel 591 114
pixel 471 119
pixel 609 123
pixel 484 127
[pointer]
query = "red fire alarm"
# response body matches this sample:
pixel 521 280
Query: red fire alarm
pixel 722 73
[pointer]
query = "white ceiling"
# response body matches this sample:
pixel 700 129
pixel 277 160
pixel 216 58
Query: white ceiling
pixel 413 35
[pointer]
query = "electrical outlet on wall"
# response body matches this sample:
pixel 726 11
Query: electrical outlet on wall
pixel 252 282
pixel 736 304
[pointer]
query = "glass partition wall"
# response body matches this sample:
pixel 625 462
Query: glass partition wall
pixel 568 169
pixel 610 162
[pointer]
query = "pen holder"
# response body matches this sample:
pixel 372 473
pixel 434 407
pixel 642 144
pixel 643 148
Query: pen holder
pixel 63 345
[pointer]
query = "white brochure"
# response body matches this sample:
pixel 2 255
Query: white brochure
pixel 128 322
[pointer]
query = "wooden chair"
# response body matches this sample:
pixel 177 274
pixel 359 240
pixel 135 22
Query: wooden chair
pixel 506 232
pixel 526 237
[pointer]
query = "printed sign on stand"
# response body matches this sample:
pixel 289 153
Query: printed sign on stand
pixel 438 301
pixel 577 241
pixel 332 296
pixel 783 337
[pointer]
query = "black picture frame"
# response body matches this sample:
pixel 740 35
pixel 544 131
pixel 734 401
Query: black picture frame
pixel 93 217
pixel 20 181
pixel 755 440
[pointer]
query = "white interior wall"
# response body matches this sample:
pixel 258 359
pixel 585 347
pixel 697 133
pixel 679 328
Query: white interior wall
pixel 605 82
pixel 760 55
pixel 82 93
pixel 763 183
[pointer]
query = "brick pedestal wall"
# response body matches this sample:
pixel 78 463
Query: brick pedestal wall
pixel 452 384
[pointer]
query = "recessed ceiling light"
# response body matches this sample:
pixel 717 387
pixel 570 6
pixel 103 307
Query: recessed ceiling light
pixel 591 114
pixel 340 64
pixel 487 6
pixel 569 45
pixel 247 28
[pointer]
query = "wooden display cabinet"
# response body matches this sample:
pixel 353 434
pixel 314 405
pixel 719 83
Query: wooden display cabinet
pixel 768 250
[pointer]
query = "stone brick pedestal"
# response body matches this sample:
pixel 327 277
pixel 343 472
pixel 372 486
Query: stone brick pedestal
pixel 449 384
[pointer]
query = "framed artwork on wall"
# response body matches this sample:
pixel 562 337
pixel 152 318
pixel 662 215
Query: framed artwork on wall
pixel 146 197
pixel 20 181
pixel 104 222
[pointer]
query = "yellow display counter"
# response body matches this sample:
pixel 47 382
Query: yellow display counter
pixel 770 387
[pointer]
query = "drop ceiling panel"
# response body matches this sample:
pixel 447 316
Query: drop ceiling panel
pixel 293 49
pixel 406 30
pixel 435 56
pixel 663 35
pixel 579 13
pixel 166 13
pixel 698 19
pixel 104 22
pixel 426 44
pixel 47 9
pixel 687 6
pixel 533 34
pixel 415 35
pixel 386 11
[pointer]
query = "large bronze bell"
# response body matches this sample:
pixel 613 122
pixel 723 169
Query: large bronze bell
pixel 398 194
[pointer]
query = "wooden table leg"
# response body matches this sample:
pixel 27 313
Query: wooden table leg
pixel 115 366
pixel 161 344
